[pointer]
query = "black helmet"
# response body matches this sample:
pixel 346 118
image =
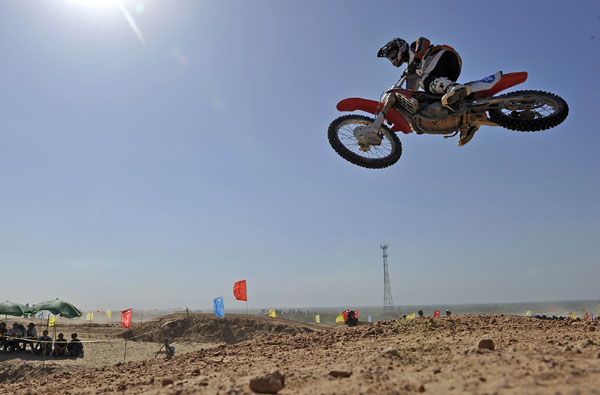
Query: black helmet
pixel 396 51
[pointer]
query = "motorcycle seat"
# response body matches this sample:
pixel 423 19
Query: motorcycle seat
pixel 486 83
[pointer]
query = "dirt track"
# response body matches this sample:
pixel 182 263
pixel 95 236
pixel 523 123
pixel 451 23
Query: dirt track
pixel 404 356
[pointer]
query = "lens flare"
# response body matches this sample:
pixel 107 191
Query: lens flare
pixel 132 24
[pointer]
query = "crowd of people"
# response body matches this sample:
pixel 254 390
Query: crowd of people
pixel 17 339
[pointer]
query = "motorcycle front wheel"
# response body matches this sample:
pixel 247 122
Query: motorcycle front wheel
pixel 343 141
pixel 541 111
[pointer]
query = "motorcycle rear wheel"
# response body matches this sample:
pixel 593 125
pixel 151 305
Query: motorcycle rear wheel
pixel 548 111
pixel 342 140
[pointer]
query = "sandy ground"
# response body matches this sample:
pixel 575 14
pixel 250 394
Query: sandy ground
pixel 388 357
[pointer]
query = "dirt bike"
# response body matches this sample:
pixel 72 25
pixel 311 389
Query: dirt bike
pixel 369 142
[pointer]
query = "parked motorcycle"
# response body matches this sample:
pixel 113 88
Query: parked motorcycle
pixel 371 143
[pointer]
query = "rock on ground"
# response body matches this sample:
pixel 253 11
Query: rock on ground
pixel 487 344
pixel 269 383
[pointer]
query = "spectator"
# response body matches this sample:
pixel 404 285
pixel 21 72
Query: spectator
pixel 44 345
pixel 351 319
pixel 12 334
pixel 60 346
pixel 31 334
pixel 448 313
pixel 2 335
pixel 75 347
pixel 420 312
pixel 22 343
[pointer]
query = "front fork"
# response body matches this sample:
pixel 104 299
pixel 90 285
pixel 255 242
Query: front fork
pixel 380 117
pixel 368 136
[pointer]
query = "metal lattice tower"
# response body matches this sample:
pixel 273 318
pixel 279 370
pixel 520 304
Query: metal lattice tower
pixel 388 303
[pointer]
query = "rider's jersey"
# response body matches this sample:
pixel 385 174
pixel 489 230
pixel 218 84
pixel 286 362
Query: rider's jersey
pixel 423 57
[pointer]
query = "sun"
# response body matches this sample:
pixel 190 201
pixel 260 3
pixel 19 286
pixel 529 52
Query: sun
pixel 97 3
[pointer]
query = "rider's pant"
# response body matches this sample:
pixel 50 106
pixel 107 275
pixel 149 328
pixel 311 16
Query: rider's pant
pixel 446 65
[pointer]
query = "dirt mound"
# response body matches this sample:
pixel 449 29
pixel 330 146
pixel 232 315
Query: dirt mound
pixel 431 355
pixel 16 371
pixel 209 329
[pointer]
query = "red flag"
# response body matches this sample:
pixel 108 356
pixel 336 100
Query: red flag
pixel 126 318
pixel 587 315
pixel 436 313
pixel 239 290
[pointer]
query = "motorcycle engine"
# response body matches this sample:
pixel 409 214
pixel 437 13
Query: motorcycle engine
pixel 435 118
pixel 435 110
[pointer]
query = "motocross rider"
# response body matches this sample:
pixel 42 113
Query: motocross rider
pixel 435 68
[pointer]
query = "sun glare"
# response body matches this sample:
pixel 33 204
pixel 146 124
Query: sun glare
pixel 98 3
pixel 118 5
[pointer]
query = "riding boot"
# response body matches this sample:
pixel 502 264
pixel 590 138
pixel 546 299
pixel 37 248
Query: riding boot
pixel 467 135
pixel 454 93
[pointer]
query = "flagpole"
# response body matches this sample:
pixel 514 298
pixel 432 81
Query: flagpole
pixel 44 352
pixel 54 326
pixel 125 354
pixel 247 308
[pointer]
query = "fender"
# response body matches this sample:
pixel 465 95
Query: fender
pixel 507 80
pixel 371 106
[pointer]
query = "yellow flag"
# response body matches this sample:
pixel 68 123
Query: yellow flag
pixel 410 316
pixel 108 314
pixel 272 314
pixel 318 319
pixel 572 315
pixel 340 318
pixel 52 320
pixel 89 316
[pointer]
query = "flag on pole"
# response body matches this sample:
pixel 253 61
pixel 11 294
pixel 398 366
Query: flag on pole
pixel 437 313
pixel 108 314
pixel 272 314
pixel 52 320
pixel 587 315
pixel 572 315
pixel 41 315
pixel 318 319
pixel 410 316
pixel 528 313
pixel 219 307
pixel 553 309
pixel 89 316
pixel 239 290
pixel 340 318
pixel 369 319
pixel 126 318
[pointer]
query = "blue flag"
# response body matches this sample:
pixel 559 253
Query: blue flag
pixel 219 308
pixel 369 319
pixel 40 315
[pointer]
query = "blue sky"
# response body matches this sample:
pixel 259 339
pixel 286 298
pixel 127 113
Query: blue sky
pixel 157 173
